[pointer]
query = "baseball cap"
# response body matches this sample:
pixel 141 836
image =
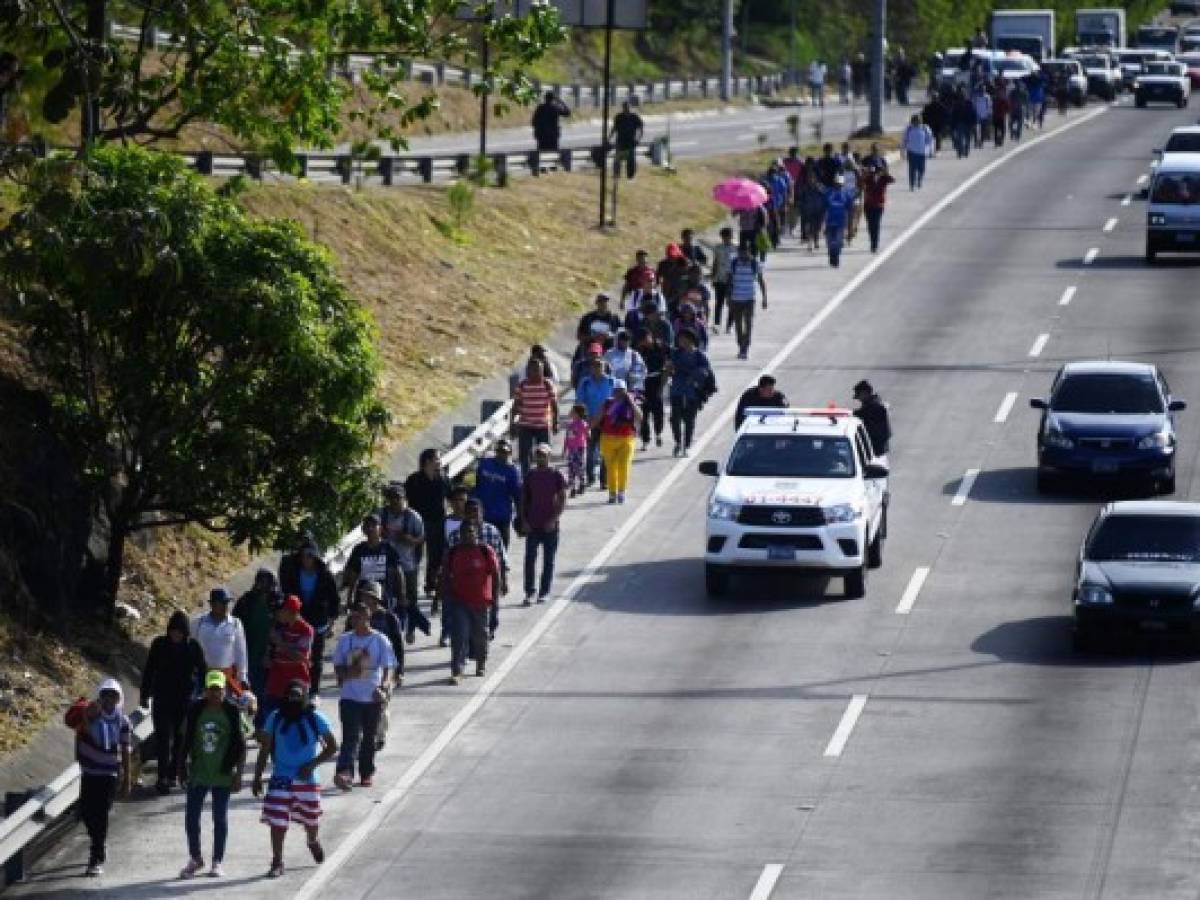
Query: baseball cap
pixel 291 603
pixel 393 489
pixel 370 588
pixel 215 678
pixel 542 448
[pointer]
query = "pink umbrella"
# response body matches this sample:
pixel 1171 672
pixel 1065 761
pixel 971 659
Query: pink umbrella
pixel 740 193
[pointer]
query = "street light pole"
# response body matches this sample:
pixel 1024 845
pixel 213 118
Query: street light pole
pixel 610 14
pixel 726 49
pixel 878 29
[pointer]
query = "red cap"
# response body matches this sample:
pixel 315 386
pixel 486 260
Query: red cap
pixel 291 602
pixel 673 252
pixel 598 349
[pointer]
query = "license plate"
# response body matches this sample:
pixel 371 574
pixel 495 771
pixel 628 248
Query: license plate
pixel 1103 466
pixel 779 551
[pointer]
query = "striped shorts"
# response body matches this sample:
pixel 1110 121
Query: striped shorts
pixel 294 801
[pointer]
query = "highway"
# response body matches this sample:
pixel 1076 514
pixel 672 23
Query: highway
pixel 936 739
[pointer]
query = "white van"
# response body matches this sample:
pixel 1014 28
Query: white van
pixel 1173 218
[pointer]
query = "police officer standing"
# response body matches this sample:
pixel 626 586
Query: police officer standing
pixel 874 414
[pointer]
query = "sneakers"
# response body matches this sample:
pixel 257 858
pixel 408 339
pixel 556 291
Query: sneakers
pixel 435 607
pixel 528 599
pixel 743 354
pixel 480 670
pixel 317 851
pixel 573 493
pixel 344 780
pixel 542 598
pixel 687 451
pixel 675 452
pixel 456 679
pixel 620 496
pixel 612 498
pixel 217 871
pixel 645 446
pixel 411 637
pixel 366 781
pixel 193 866
pixel 443 640
pixel 94 869
pixel 658 441
pixel 276 869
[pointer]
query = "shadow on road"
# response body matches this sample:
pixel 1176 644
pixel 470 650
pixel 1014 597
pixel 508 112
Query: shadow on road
pixel 1046 641
pixel 1128 262
pixel 1019 485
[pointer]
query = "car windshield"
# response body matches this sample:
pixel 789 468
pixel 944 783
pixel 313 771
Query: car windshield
pixel 1134 538
pixel 1160 68
pixel 1094 62
pixel 791 456
pixel 1114 393
pixel 1185 142
pixel 1130 59
pixel 1183 190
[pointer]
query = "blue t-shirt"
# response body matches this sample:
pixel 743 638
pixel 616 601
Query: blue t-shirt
pixel 295 744
pixel 308 585
pixel 497 488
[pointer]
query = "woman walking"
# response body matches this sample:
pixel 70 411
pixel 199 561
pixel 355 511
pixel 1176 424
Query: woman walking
pixel 691 376
pixel 917 143
pixel 618 422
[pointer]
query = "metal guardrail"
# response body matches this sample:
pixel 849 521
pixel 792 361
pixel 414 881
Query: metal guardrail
pixel 47 805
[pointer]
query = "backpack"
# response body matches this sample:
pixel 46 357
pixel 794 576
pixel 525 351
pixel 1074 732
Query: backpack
pixel 74 717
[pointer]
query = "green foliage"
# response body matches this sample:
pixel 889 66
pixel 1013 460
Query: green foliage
pixel 261 70
pixel 205 366
pixel 461 197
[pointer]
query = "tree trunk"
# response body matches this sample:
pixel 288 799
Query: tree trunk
pixel 114 563
pixel 89 120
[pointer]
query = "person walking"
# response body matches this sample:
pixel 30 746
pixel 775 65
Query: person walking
pixel 745 275
pixel 983 114
pixel 762 396
pixel 654 353
pixel 255 609
pixel 304 574
pixel 593 389
pixel 223 640
pixel 617 422
pixel 625 363
pixel 547 122
pixel 639 278
pixel 1000 110
pixel 173 669
pixel 543 499
pixel 917 142
pixel 1018 99
pixel 386 623
pixel 427 490
pixel 845 78
pixel 363 660
pixel 837 214
pixel 626 134
pixel 403 528
pixel 962 122
pixel 811 200
pixel 374 559
pixel 289 653
pixel 103 736
pixel 875 417
pixel 875 183
pixel 534 414
pixel 691 375
pixel 498 488
pixel 723 256
pixel 469 581
pixel 211 763
pixel 577 435
pixel 297 740
pixel 851 174
pixel 816 82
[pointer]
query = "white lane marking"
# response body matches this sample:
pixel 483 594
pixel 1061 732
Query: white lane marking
pixel 1143 178
pixel 1127 199
pixel 837 743
pixel 684 143
pixel 1110 224
pixel 766 881
pixel 745 137
pixel 909 597
pixel 371 821
pixel 1068 296
pixel 1006 406
pixel 1039 344
pixel 964 487
pixel 1090 256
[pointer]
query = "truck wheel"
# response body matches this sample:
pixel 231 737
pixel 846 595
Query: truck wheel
pixel 716 580
pixel 856 583
pixel 875 551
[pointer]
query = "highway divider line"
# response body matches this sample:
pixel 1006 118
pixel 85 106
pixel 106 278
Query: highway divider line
pixel 1127 199
pixel 841 735
pixel 1110 224
pixel 1006 406
pixel 1039 344
pixel 766 881
pixel 1142 179
pixel 909 597
pixel 370 822
pixel 1067 296
pixel 1090 256
pixel 964 487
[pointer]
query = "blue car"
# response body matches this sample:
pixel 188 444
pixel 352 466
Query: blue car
pixel 1106 419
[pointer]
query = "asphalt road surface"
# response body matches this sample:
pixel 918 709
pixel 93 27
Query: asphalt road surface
pixel 936 739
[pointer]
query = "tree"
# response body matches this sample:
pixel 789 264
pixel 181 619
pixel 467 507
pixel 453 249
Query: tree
pixel 262 70
pixel 205 367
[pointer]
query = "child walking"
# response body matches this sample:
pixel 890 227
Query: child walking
pixel 575 445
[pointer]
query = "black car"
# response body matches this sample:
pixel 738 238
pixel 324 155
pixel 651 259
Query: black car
pixel 1139 569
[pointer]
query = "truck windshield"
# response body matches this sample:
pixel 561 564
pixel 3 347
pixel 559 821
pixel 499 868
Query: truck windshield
pixel 791 456
pixel 1182 190
pixel 1147 539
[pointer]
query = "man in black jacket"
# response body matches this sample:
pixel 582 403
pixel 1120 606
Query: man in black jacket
pixel 427 490
pixel 763 394
pixel 173 669
pixel 874 414
pixel 304 574
pixel 547 128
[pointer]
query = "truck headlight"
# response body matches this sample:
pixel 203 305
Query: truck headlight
pixel 1093 595
pixel 842 512
pixel 1055 438
pixel 723 509
pixel 1158 441
pixel 1158 219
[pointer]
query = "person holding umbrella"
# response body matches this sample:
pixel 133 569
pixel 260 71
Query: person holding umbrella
pixel 746 198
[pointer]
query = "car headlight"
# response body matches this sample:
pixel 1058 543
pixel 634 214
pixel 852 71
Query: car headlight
pixel 723 509
pixel 1157 441
pixel 1158 219
pixel 1055 438
pixel 842 512
pixel 1093 595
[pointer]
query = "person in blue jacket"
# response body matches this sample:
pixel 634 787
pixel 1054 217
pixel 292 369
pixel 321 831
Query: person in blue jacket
pixel 838 201
pixel 498 489
pixel 691 384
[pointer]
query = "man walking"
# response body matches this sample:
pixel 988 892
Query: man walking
pixel 214 753
pixel 498 489
pixel 255 609
pixel 874 185
pixel 593 389
pixel 427 491
pixel 745 273
pixel 299 740
pixel 173 669
pixel 470 580
pixel 723 256
pixel 816 82
pixel 547 122
pixel 403 528
pixel 363 660
pixel 305 575
pixel 222 639
pixel 626 134
pixel 534 413
pixel 289 653
pixel 917 142
pixel 374 559
pixel 543 498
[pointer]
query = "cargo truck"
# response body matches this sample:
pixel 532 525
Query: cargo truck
pixel 1029 31
pixel 1100 27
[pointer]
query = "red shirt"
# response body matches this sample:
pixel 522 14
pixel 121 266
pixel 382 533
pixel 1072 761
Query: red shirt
pixel 875 189
pixel 795 170
pixel 470 573
pixel 639 278
pixel 284 640
pixel 534 403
